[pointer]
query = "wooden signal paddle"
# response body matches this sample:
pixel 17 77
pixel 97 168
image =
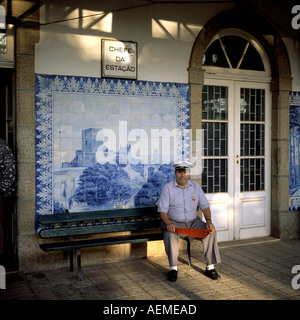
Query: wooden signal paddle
pixel 197 233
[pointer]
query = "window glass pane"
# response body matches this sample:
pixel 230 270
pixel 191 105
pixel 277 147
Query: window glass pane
pixel 240 52
pixel 252 174
pixel 214 56
pixel 234 47
pixel 214 103
pixel 252 60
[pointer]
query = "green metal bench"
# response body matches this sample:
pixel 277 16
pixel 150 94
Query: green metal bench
pixel 144 224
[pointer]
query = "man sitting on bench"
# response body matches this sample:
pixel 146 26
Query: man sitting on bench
pixel 178 208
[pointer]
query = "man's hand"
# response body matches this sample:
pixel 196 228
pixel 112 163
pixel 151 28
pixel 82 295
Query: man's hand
pixel 171 227
pixel 210 226
pixel 207 216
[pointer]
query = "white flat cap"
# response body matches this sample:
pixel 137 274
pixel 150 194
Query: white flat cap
pixel 182 165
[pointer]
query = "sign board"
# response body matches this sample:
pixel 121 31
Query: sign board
pixel 119 59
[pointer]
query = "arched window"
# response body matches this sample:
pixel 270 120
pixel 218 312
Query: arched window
pixel 233 52
pixel 236 52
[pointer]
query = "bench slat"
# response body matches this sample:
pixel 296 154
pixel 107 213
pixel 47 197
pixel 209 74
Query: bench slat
pixel 77 244
pixel 102 228
pixel 97 215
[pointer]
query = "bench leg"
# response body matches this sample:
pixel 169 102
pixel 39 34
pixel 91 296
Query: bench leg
pixel 71 257
pixel 80 275
pixel 71 260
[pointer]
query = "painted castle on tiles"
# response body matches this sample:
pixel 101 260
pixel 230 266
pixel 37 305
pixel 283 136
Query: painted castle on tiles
pixel 84 183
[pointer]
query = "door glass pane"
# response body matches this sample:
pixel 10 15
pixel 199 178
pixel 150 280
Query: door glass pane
pixel 214 176
pixel 215 127
pixel 215 103
pixel 252 139
pixel 215 138
pixel 252 104
pixel 252 174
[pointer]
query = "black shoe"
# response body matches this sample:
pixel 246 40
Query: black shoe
pixel 172 275
pixel 212 274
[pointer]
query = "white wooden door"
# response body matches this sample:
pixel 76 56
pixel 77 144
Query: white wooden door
pixel 252 160
pixel 236 175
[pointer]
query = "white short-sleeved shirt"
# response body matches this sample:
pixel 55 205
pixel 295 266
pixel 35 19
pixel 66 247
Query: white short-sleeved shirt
pixel 181 204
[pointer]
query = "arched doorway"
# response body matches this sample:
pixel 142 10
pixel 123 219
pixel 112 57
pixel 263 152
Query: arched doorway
pixel 236 80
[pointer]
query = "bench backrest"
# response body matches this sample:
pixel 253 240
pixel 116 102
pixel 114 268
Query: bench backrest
pixel 93 222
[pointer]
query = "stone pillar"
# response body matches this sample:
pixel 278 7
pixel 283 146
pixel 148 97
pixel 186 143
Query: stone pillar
pixel 27 35
pixel 196 80
pixel 284 223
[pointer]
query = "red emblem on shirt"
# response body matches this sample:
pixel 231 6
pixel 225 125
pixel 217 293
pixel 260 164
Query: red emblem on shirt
pixel 194 198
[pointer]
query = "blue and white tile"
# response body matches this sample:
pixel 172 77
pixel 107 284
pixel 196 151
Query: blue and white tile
pixel 70 111
pixel 294 162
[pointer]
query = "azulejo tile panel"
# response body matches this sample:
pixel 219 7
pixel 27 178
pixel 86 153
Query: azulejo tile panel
pixel 104 144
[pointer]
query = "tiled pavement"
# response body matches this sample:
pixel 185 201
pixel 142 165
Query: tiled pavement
pixel 250 270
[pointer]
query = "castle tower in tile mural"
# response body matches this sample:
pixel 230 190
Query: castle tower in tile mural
pixel 84 183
